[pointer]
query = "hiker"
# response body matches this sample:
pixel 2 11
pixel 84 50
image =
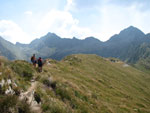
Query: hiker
pixel 33 60
pixel 40 64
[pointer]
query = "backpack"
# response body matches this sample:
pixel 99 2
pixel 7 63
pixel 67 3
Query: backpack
pixel 32 59
pixel 40 62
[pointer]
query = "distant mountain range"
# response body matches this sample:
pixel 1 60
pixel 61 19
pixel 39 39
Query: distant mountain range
pixel 130 45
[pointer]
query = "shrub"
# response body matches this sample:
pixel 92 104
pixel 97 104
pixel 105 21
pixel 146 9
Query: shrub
pixel 10 103
pixel 23 107
pixel 7 103
pixel 53 85
pixel 17 91
pixel 73 60
pixel 54 107
pixel 23 69
pixel 82 97
pixel 47 82
pixel 2 90
pixel 28 75
pixel 63 93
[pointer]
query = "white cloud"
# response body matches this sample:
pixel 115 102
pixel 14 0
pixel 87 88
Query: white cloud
pixel 109 20
pixel 114 18
pixel 60 22
pixel 12 32
pixel 69 5
pixel 28 13
pixel 63 24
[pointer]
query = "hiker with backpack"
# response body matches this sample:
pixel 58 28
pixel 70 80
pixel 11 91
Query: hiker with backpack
pixel 40 64
pixel 33 60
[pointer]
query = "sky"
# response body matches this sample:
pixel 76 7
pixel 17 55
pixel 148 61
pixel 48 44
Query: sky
pixel 24 20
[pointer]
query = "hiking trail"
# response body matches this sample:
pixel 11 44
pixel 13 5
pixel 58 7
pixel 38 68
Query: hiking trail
pixel 29 97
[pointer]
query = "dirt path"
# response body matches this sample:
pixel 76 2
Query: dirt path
pixel 29 97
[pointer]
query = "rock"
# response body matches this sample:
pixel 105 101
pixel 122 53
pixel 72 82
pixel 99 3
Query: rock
pixel 48 64
pixel 2 82
pixel 9 91
pixel 15 84
pixel 50 79
pixel 135 109
pixel 32 80
pixel 9 81
pixel 125 65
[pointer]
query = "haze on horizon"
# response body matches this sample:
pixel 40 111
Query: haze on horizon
pixel 24 20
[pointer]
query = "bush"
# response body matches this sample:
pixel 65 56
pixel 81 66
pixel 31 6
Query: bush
pixel 10 103
pixel 84 98
pixel 53 85
pixel 23 69
pixel 23 107
pixel 2 90
pixel 7 103
pixel 49 83
pixel 54 107
pixel 28 75
pixel 17 91
pixel 63 93
pixel 73 60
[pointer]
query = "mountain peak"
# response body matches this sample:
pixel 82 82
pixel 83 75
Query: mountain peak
pixel 132 30
pixel 131 27
pixel 49 36
pixel 74 38
pixel 53 35
pixel 127 35
pixel 92 39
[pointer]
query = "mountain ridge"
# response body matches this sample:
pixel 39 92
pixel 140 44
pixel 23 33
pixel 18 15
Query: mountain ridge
pixel 122 46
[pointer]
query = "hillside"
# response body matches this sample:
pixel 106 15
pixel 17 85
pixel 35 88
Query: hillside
pixel 10 50
pixel 81 84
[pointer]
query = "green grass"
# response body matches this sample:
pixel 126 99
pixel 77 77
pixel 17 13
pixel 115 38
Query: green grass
pixel 23 69
pixel 85 84
pixel 11 104
pixel 91 84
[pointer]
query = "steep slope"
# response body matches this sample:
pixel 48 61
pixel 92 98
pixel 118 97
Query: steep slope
pixel 91 84
pixel 123 44
pixel 77 84
pixel 10 51
pixel 14 78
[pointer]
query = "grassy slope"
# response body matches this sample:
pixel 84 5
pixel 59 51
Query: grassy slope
pixel 143 65
pixel 84 84
pixel 20 73
pixel 88 83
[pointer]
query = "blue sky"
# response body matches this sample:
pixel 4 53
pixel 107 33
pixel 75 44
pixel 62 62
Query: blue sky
pixel 24 20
